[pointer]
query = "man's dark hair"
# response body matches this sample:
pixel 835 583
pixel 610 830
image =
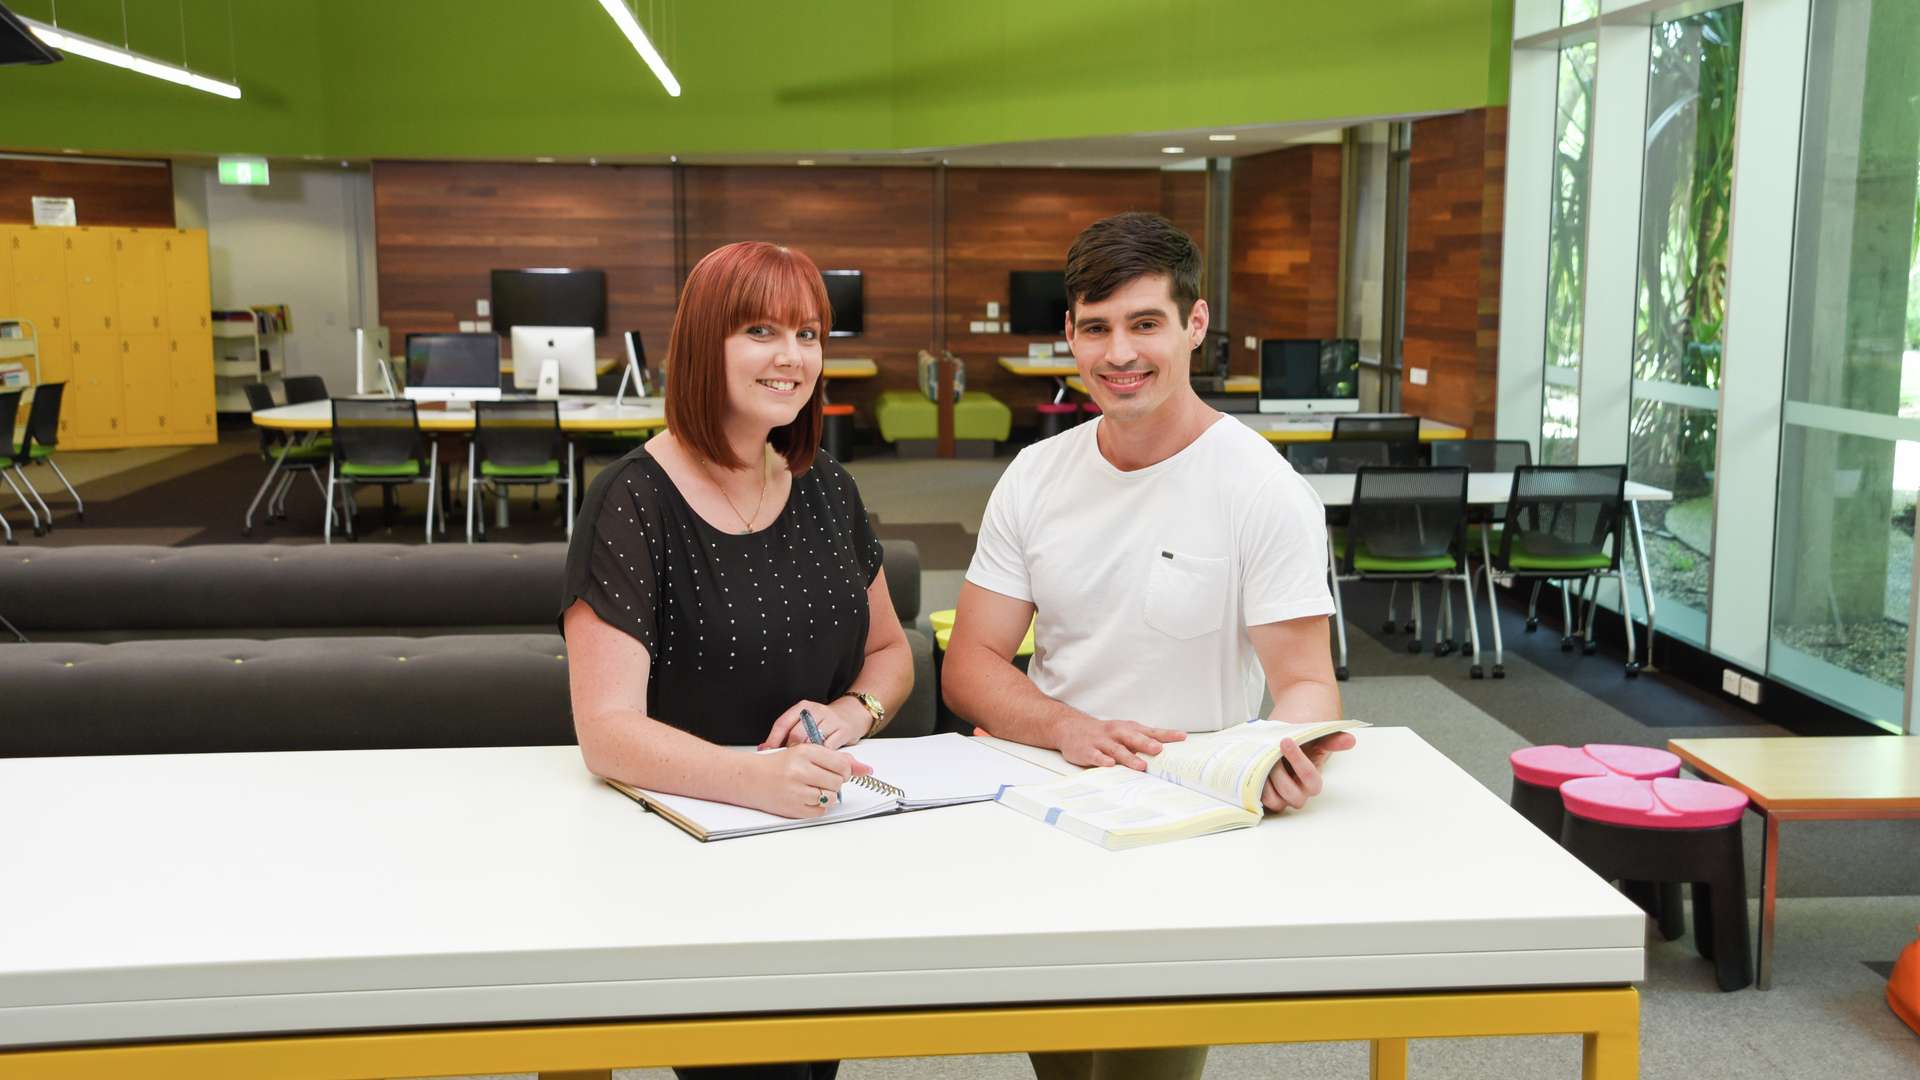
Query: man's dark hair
pixel 1112 252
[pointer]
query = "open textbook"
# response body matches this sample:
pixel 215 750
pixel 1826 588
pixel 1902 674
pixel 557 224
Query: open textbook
pixel 1207 783
pixel 908 774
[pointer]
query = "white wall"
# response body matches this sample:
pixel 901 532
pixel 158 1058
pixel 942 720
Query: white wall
pixel 305 240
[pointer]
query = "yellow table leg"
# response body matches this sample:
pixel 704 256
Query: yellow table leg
pixel 584 1074
pixel 1389 1060
pixel 1610 1055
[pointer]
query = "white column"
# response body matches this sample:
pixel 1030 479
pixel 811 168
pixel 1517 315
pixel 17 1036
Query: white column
pixel 1523 258
pixel 1613 243
pixel 1766 173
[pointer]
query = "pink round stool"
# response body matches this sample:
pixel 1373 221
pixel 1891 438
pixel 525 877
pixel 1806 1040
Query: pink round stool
pixel 1538 772
pixel 1669 832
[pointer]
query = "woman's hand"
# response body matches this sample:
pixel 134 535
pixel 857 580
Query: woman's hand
pixel 841 724
pixel 799 782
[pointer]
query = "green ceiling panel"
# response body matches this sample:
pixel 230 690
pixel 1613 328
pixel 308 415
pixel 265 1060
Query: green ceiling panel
pixel 497 78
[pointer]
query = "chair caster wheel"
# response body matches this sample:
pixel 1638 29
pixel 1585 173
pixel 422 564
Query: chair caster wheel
pixel 246 530
pixel 11 541
pixel 1414 646
pixel 1588 648
pixel 39 530
pixel 1532 625
pixel 1499 671
pixel 1474 672
pixel 1409 626
pixel 1339 673
pixel 1443 648
pixel 1633 671
pixel 1389 627
pixel 1566 644
pixel 81 514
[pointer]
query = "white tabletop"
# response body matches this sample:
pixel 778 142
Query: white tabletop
pixel 226 894
pixel 1483 489
pixel 582 413
pixel 1283 424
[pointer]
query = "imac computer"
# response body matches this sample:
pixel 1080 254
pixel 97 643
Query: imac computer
pixel 453 367
pixel 571 347
pixel 1310 375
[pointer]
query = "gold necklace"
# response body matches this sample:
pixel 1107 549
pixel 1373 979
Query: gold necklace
pixel 746 523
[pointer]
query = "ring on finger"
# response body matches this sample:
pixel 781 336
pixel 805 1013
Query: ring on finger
pixel 825 797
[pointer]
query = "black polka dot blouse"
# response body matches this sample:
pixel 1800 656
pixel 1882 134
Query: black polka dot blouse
pixel 737 627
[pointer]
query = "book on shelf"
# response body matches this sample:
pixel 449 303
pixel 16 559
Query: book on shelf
pixel 908 774
pixel 1207 783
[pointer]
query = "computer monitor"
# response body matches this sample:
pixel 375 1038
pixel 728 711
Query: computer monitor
pixel 1310 375
pixel 453 367
pixel 846 296
pixel 1037 302
pixel 549 296
pixel 570 346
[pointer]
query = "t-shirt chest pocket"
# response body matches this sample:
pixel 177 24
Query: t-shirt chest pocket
pixel 1186 594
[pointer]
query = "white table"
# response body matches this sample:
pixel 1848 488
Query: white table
pixel 578 416
pixel 1493 489
pixel 222 904
pixel 1318 427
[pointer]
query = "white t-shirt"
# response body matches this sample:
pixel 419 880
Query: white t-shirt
pixel 1144 582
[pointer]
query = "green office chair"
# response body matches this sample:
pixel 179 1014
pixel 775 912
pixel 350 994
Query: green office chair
pixel 1564 523
pixel 289 457
pixel 36 447
pixel 379 442
pixel 516 443
pixel 10 465
pixel 1477 456
pixel 1406 525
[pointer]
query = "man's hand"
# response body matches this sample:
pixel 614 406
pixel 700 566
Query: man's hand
pixel 1114 742
pixel 1296 776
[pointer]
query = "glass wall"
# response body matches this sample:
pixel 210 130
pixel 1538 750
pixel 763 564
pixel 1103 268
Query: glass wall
pixel 1566 252
pixel 1850 467
pixel 1681 302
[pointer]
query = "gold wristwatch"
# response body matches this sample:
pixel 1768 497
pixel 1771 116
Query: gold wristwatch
pixel 874 709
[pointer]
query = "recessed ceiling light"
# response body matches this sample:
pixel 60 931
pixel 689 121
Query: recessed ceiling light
pixel 544 160
pixel 309 157
pixel 593 161
pixel 1173 149
pixel 68 150
pixel 1222 138
pixel 804 161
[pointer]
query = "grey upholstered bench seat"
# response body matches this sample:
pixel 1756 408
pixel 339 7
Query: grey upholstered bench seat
pixel 219 695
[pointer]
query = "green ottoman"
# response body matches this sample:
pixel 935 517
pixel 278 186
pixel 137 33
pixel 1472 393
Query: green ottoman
pixel 912 423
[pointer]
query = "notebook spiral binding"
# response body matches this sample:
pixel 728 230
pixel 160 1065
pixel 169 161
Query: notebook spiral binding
pixel 878 786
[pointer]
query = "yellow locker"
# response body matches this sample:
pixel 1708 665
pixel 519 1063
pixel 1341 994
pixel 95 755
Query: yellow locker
pixel 91 299
pixel 56 358
pixel 191 409
pixel 6 273
pixel 189 297
pixel 94 398
pixel 139 273
pixel 146 380
pixel 40 278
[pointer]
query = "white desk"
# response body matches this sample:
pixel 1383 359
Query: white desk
pixel 1318 427
pixel 578 415
pixel 208 897
pixel 1492 489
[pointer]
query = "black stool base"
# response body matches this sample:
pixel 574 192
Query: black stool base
pixel 1711 861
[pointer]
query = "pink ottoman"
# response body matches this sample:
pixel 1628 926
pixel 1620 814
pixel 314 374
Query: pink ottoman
pixel 1669 831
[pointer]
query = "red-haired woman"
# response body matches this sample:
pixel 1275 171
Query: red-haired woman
pixel 723 577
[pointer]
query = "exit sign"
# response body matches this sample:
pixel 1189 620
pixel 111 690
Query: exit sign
pixel 243 170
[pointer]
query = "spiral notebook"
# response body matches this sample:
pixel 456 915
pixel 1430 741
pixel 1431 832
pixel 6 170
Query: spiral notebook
pixel 908 774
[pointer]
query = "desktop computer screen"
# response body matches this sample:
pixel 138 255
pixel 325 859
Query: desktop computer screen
pixel 549 296
pixel 846 296
pixel 1310 375
pixel 570 346
pixel 453 367
pixel 1037 302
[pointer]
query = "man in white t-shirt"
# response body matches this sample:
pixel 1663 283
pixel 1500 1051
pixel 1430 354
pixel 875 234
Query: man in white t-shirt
pixel 1168 557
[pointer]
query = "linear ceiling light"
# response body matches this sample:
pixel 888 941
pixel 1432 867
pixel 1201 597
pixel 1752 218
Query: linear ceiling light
pixel 93 49
pixel 625 21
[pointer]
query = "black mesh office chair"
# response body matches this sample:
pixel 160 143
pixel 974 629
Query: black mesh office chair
pixel 1564 523
pixel 516 442
pixel 1337 457
pixel 1406 525
pixel 288 457
pixel 379 442
pixel 1478 456
pixel 1385 428
pixel 305 388
pixel 36 447
pixel 9 465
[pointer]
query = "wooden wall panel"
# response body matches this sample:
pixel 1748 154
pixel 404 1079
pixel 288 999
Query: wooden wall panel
pixel 1454 204
pixel 441 228
pixel 1183 199
pixel 878 221
pixel 136 195
pixel 1286 247
pixel 1021 219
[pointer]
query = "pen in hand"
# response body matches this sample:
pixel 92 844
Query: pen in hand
pixel 813 729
